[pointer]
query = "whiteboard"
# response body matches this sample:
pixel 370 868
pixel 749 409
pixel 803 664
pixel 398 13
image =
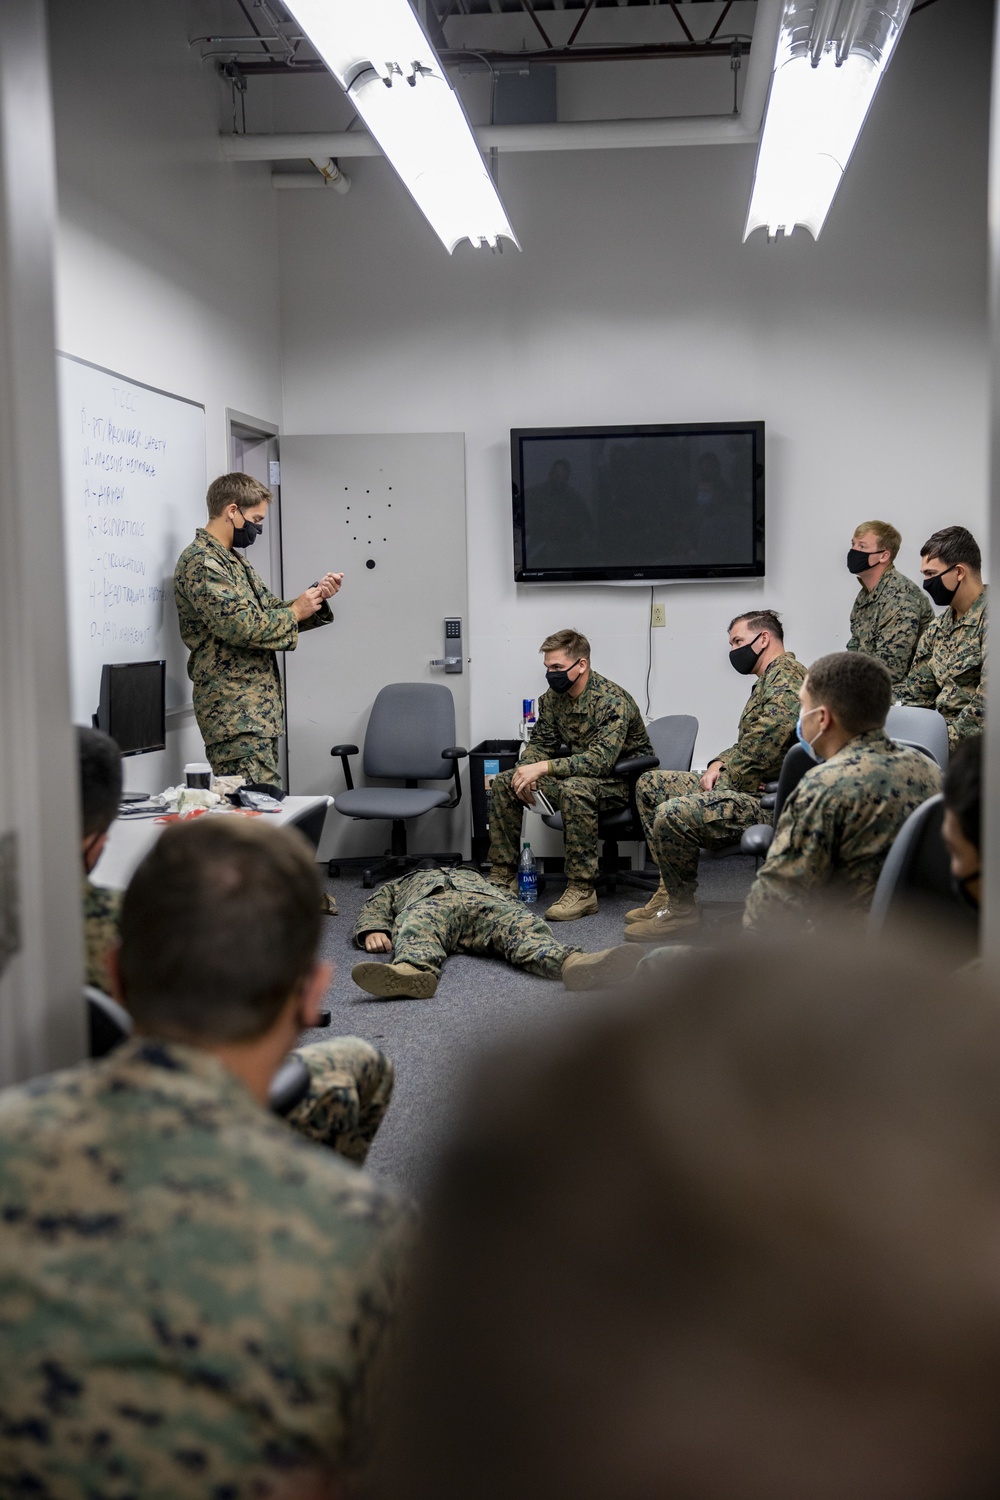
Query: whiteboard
pixel 134 478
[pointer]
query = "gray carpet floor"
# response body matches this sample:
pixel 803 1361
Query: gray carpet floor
pixel 478 1002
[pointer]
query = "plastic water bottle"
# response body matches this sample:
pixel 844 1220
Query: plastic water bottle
pixel 527 877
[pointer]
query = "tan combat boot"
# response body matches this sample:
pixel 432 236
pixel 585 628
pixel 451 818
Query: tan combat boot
pixel 657 928
pixel 595 971
pixel 395 981
pixel 576 901
pixel 504 877
pixel 657 901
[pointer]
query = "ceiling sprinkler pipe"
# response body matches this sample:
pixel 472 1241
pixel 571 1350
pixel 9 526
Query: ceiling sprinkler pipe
pixel 331 174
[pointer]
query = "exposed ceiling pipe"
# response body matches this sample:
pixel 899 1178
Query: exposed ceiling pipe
pixel 575 135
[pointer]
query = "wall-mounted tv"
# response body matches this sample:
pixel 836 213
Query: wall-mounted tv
pixel 638 504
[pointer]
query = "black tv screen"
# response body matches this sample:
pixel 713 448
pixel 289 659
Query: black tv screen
pixel 623 504
pixel 132 708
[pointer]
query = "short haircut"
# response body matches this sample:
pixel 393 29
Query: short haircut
pixel 100 762
pixel 962 786
pixel 761 619
pixel 236 489
pixel 747 1271
pixel 220 925
pixel 856 687
pixel 954 545
pixel 888 538
pixel 571 641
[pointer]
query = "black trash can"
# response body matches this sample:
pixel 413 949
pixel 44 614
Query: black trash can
pixel 487 760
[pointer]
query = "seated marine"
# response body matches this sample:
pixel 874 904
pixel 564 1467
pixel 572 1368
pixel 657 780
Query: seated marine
pixel 428 914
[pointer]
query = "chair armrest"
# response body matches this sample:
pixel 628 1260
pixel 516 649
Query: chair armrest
pixel 770 786
pixel 634 765
pixel 757 840
pixel 344 751
pixel 768 800
pixel 455 753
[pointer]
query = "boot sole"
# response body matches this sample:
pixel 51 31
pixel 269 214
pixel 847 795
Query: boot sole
pixel 676 924
pixel 382 981
pixel 617 965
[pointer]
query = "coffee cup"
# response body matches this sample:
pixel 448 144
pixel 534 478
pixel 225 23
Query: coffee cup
pixel 198 773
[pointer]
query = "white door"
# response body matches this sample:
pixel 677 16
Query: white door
pixel 387 510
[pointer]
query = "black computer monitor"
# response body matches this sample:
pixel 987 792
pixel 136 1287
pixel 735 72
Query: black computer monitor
pixel 133 706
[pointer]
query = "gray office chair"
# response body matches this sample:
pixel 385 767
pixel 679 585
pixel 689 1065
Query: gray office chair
pixel 914 886
pixel 672 739
pixel 410 738
pixel 756 839
pixel 920 728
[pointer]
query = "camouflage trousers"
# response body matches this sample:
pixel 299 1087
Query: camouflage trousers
pixel 466 922
pixel 578 798
pixel 350 1085
pixel 247 755
pixel 680 820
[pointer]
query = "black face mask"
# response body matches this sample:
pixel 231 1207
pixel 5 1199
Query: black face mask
pixel 857 561
pixel 560 682
pixel 960 888
pixel 744 658
pixel 247 534
pixel 940 592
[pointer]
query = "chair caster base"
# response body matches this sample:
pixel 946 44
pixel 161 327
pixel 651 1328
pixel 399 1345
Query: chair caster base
pixel 333 869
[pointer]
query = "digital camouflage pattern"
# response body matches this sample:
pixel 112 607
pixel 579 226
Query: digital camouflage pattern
pixel 949 670
pixel 191 1295
pixel 679 819
pixel 350 1085
pixel 600 727
pixel 836 829
pixel 248 756
pixel 101 913
pixel 766 728
pixel 232 625
pixel 888 621
pixel 432 913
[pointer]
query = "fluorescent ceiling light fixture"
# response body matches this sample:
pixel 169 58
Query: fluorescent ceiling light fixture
pixel 830 58
pixel 377 51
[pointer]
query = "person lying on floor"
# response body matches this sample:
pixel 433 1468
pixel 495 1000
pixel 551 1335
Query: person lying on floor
pixel 426 915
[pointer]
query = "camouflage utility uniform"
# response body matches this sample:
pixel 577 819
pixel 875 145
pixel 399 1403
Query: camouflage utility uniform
pixel 949 670
pixel 350 1081
pixel 101 915
pixel 888 621
pixel 191 1296
pixel 432 913
pixel 600 727
pixel 680 819
pixel 232 624
pixel 837 827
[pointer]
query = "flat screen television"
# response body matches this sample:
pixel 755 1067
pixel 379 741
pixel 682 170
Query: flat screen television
pixel 132 706
pixel 638 504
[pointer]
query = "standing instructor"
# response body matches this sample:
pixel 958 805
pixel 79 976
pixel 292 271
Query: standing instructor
pixel 232 625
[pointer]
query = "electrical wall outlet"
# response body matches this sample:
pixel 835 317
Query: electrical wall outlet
pixel 658 616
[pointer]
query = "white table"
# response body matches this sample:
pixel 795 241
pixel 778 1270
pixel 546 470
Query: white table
pixel 131 838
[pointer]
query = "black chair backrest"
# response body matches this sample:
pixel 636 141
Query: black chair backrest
pixel 794 766
pixel 915 883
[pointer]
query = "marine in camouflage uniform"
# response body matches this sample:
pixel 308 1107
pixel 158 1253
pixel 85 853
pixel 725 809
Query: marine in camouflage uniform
pixel 432 913
pixel 679 819
pixel 836 829
pixel 350 1081
pixel 191 1296
pixel 232 625
pixel 949 670
pixel 888 621
pixel 600 727
pixel 101 915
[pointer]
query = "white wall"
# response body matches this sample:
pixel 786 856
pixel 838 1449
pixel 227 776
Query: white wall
pixel 634 300
pixel 167 258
